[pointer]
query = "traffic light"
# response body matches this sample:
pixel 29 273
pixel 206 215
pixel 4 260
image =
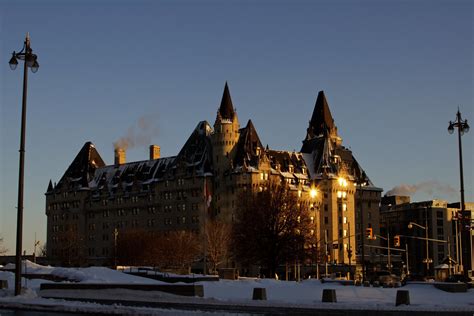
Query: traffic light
pixel 396 241
pixel 368 233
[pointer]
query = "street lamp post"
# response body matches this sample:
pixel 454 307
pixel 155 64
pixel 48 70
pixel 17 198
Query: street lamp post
pixel 462 127
pixel 410 226
pixel 116 233
pixel 30 61
pixel 361 180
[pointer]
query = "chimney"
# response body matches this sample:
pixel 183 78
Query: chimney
pixel 119 156
pixel 154 152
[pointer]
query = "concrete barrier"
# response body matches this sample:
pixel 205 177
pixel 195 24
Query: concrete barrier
pixel 3 284
pixel 177 289
pixel 329 296
pixel 229 273
pixel 452 287
pixel 259 293
pixel 403 297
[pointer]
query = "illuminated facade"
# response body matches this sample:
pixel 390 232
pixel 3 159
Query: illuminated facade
pixel 93 200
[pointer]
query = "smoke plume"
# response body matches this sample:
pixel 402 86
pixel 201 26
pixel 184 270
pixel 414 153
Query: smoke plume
pixel 139 134
pixel 428 187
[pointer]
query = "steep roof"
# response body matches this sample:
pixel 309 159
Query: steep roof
pixel 246 151
pixel 88 171
pixel 196 154
pixel 286 158
pixel 322 153
pixel 83 166
pixel 322 118
pixel 226 109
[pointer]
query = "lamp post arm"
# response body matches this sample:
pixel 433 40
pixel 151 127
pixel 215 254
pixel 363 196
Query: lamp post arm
pixel 420 226
pixel 461 177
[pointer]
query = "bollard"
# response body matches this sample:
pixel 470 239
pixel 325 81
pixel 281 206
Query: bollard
pixel 403 297
pixel 367 284
pixel 259 293
pixel 357 283
pixel 3 284
pixel 329 296
pixel 376 284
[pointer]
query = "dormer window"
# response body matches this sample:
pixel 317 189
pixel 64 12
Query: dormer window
pixel 257 151
pixel 290 168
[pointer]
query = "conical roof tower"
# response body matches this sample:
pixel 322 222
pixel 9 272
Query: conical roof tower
pixel 226 109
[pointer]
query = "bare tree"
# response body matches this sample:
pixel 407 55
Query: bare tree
pixel 135 247
pixel 183 248
pixel 71 248
pixel 272 227
pixel 218 238
pixel 175 250
pixel 43 250
pixel 3 250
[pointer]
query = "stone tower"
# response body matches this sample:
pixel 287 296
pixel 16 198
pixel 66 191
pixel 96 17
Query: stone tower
pixel 224 143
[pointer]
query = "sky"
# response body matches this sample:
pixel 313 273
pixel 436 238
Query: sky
pixel 394 74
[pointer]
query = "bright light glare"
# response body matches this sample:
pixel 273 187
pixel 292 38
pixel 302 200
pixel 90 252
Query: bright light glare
pixel 342 182
pixel 313 193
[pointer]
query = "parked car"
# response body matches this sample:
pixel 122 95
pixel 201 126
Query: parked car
pixel 458 278
pixel 384 278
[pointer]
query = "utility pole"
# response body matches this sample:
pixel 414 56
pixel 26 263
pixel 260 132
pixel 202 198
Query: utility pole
pixel 349 251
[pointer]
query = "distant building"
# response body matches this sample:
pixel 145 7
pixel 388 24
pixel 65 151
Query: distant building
pixel 396 214
pixel 93 200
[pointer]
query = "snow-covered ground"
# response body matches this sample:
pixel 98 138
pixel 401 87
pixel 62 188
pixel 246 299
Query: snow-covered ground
pixel 307 293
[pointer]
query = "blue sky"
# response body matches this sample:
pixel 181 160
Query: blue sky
pixel 394 73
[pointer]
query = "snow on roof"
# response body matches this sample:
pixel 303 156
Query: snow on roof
pixel 301 176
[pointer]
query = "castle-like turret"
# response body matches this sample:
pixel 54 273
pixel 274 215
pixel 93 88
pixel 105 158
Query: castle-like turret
pixel 226 134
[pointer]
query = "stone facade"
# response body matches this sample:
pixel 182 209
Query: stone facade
pixel 94 202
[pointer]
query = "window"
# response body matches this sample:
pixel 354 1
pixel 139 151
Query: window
pixel 344 207
pixel 345 220
pixel 326 220
pixel 325 207
pixel 150 223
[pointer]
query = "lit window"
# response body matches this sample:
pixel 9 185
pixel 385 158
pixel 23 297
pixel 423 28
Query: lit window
pixel 344 194
pixel 344 207
pixel 339 194
pixel 345 220
pixel 345 233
